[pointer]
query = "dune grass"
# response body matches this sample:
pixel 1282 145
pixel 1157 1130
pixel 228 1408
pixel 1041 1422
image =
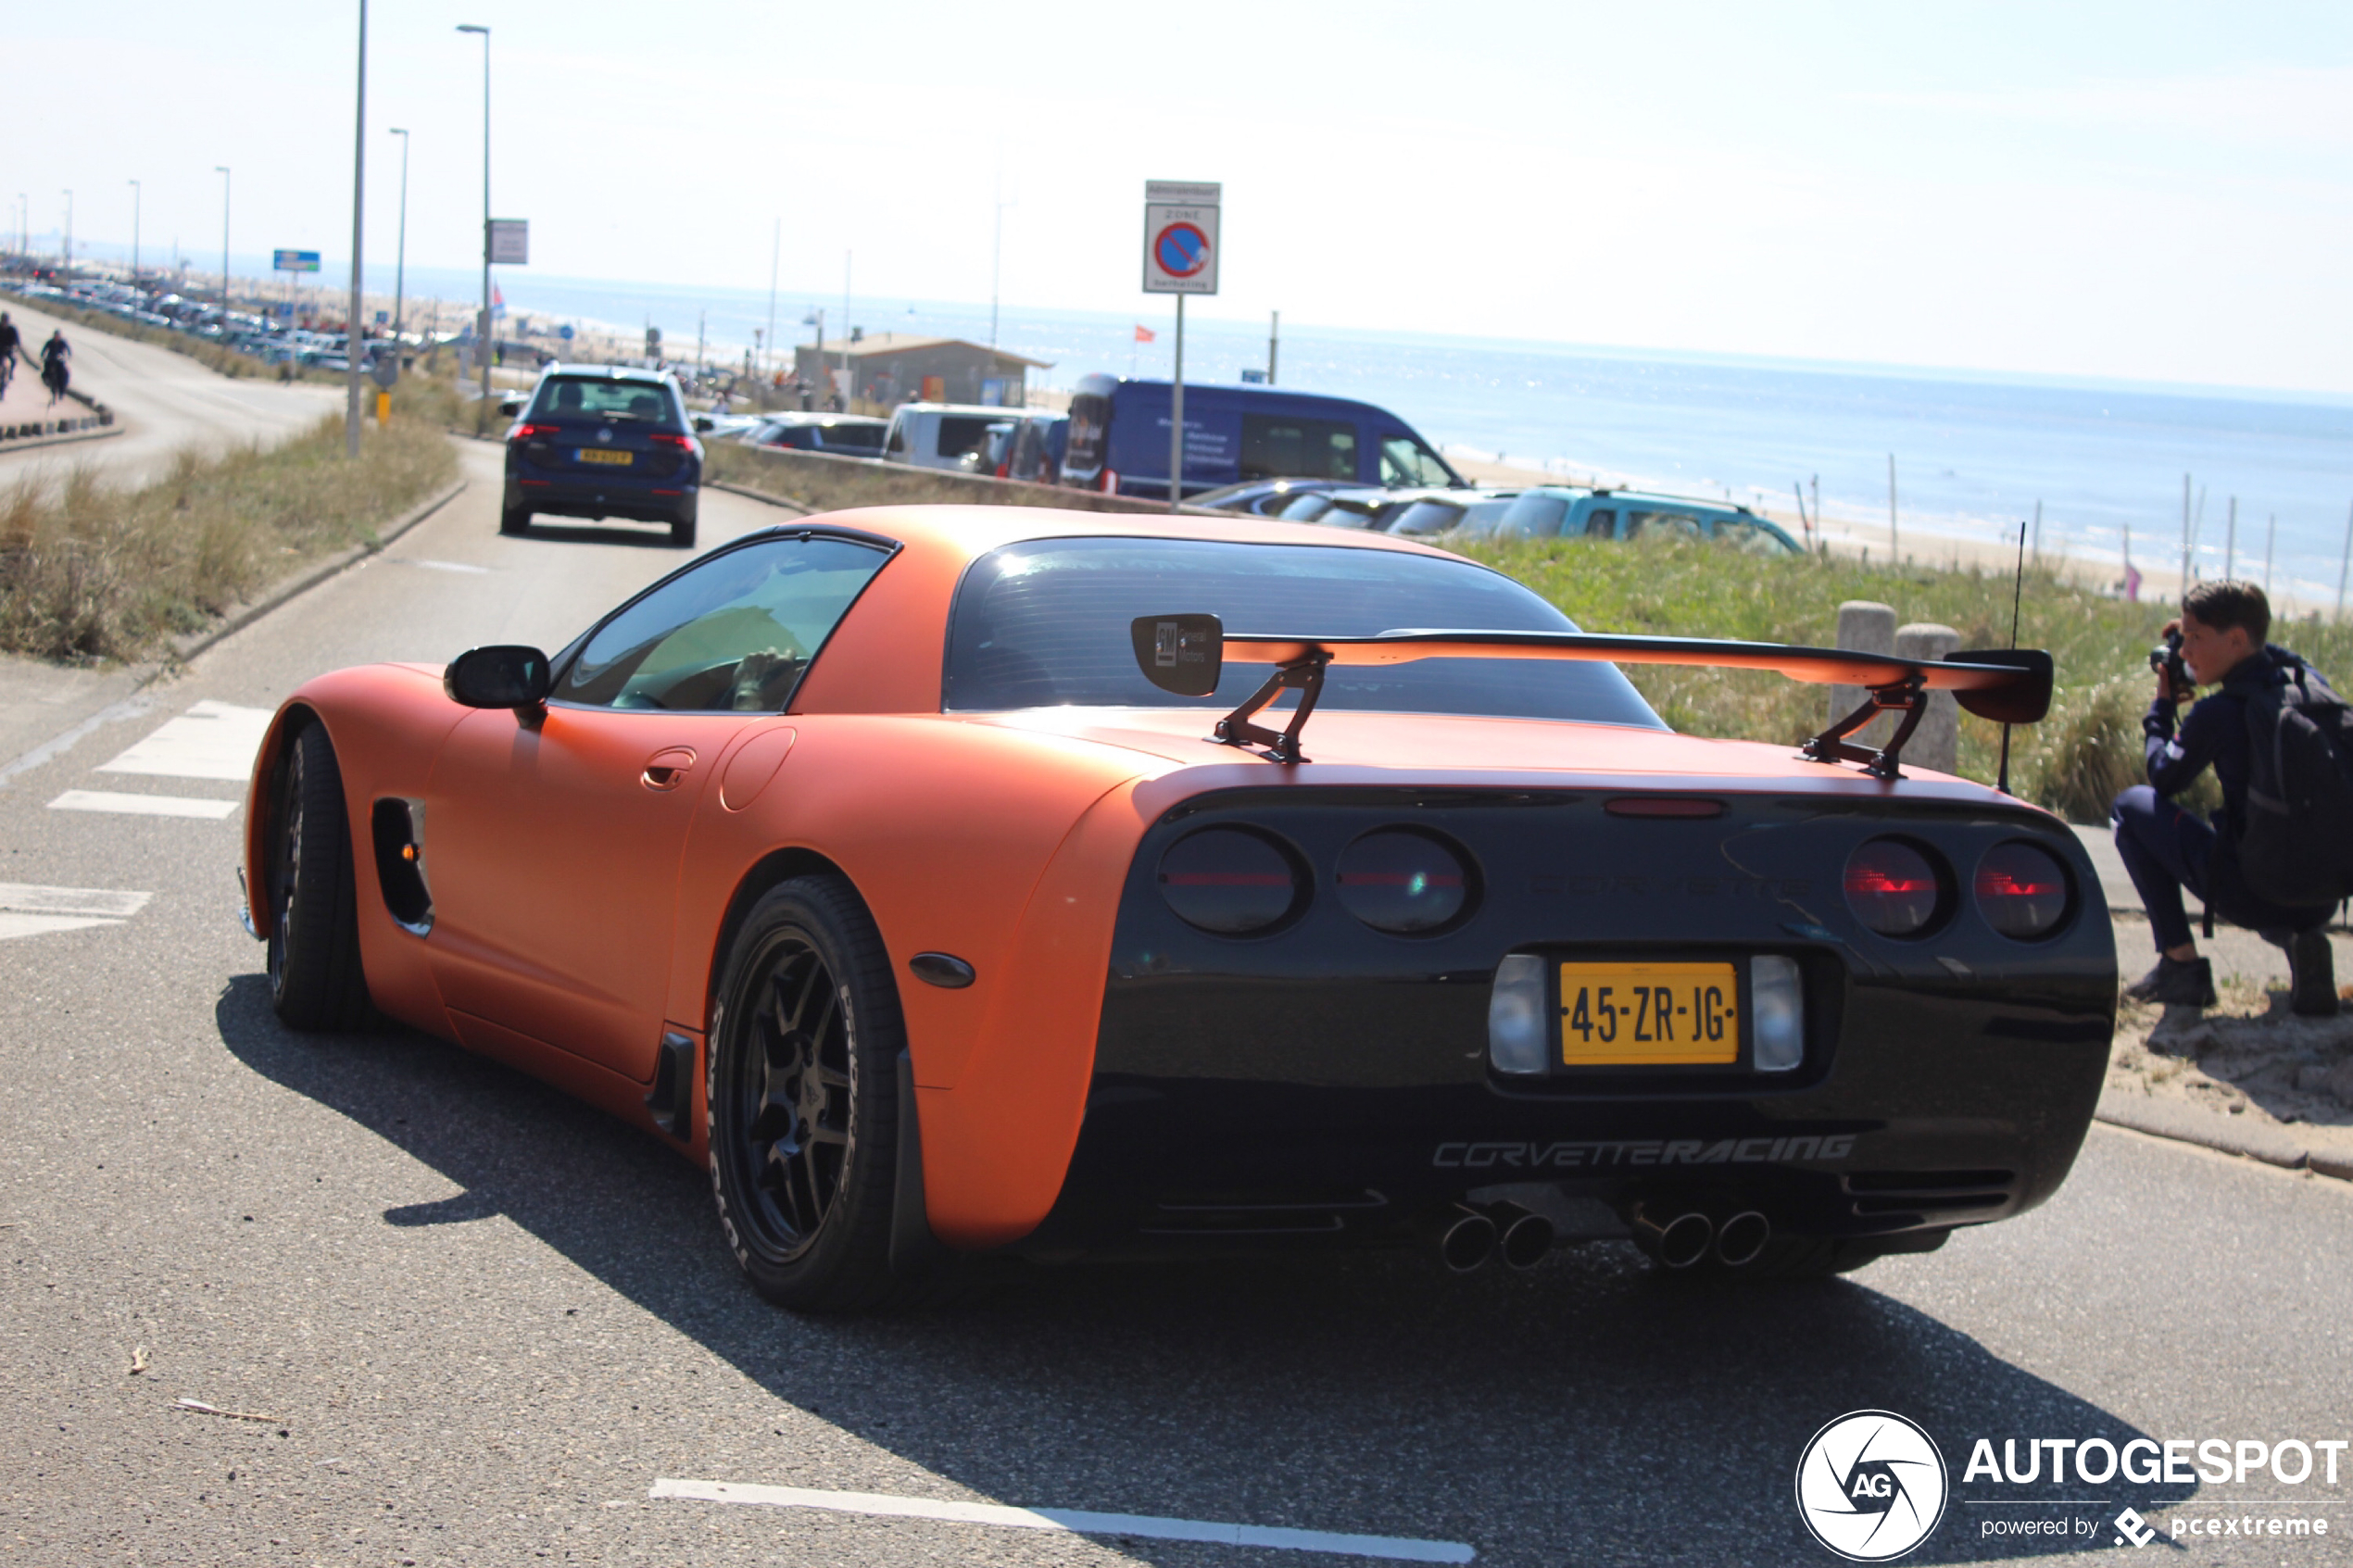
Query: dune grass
pixel 91 572
pixel 2074 762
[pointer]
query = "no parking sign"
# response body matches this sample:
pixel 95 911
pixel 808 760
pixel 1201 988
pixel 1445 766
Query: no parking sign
pixel 1180 236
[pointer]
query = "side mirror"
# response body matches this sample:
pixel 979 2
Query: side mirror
pixel 1184 653
pixel 704 424
pixel 503 675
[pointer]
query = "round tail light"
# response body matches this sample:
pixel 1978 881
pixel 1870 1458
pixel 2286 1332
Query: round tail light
pixel 1893 888
pixel 1230 881
pixel 2022 890
pixel 1406 882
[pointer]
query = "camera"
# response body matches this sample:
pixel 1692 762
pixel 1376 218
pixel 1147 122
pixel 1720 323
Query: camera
pixel 2167 661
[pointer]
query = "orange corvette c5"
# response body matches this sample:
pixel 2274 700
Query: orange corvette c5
pixel 939 877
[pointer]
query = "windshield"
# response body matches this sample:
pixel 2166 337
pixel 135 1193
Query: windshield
pixel 1046 624
pixel 1405 460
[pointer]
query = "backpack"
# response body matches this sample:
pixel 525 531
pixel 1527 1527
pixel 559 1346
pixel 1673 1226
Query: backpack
pixel 2297 847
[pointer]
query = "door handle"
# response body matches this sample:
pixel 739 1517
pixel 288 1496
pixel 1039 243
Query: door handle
pixel 667 770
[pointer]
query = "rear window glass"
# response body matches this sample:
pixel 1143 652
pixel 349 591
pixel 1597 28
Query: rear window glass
pixel 1274 446
pixel 960 435
pixel 1426 517
pixel 1533 516
pixel 582 397
pixel 1046 624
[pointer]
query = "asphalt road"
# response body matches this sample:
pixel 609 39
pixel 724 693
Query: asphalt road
pixel 480 1321
pixel 163 400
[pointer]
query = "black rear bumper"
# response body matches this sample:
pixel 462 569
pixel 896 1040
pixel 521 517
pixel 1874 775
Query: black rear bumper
pixel 1329 1083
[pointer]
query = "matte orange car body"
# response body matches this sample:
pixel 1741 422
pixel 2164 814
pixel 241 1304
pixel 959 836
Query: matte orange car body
pixel 1003 839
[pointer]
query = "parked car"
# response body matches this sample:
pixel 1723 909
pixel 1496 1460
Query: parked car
pixel 941 435
pixel 1037 454
pixel 1445 511
pixel 1267 498
pixel 1119 439
pixel 1553 510
pixel 914 872
pixel 846 436
pixel 598 442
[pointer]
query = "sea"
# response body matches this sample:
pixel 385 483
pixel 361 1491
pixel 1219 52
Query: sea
pixel 1974 454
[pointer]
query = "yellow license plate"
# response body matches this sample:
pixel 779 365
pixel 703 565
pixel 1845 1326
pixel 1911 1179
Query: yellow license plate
pixel 618 459
pixel 1647 1015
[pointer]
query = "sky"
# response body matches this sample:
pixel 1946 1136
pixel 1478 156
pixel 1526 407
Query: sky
pixel 2151 192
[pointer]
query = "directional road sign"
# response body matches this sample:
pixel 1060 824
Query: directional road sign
pixel 295 261
pixel 1180 236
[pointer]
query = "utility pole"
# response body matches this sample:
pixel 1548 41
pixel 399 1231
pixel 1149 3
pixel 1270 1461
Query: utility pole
pixel 223 170
pixel 849 386
pixel 2345 566
pixel 134 231
pixel 401 255
pixel 2186 533
pixel 2231 540
pixel 997 246
pixel 1273 344
pixel 776 249
pixel 69 256
pixel 1895 553
pixel 354 328
pixel 482 343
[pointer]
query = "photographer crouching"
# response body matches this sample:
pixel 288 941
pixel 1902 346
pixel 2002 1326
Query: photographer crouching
pixel 2259 883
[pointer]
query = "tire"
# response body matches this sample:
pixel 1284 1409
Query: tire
pixel 313 954
pixel 514 520
pixel 803 1099
pixel 682 532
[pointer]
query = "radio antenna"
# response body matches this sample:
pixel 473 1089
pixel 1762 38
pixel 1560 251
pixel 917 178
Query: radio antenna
pixel 2017 596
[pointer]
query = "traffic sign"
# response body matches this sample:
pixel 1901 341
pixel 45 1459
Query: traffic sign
pixel 294 261
pixel 1180 236
pixel 383 316
pixel 564 331
pixel 510 241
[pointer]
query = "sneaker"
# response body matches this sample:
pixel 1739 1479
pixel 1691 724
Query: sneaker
pixel 2311 968
pixel 2175 983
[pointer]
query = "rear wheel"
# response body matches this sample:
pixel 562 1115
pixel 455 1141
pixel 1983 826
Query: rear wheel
pixel 682 532
pixel 514 520
pixel 803 1099
pixel 313 953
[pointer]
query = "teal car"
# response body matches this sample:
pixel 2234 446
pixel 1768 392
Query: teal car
pixel 1553 510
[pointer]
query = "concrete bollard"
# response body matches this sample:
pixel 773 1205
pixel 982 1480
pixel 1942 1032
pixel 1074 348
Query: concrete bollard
pixel 1864 626
pixel 1937 743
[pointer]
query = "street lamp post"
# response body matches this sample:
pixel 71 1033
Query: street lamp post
pixel 400 257
pixel 223 170
pixel 355 328
pixel 134 231
pixel 69 257
pixel 481 333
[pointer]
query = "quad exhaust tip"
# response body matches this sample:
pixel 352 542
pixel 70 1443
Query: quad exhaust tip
pixel 1527 1238
pixel 1677 1243
pixel 1739 1240
pixel 1466 1243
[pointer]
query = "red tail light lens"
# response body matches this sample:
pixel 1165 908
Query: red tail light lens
pixel 1404 882
pixel 1893 888
pixel 1231 882
pixel 681 442
pixel 532 432
pixel 2022 891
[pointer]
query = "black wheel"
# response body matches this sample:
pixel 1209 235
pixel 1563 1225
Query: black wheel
pixel 803 1097
pixel 514 520
pixel 682 532
pixel 313 954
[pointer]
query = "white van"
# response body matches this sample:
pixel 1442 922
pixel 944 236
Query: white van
pixel 944 436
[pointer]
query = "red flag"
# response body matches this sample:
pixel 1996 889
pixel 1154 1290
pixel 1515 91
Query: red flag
pixel 1144 334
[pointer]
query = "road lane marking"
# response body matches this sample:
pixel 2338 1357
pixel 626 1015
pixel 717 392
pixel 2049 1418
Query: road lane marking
pixel 212 740
pixel 1404 1548
pixel 25 898
pixel 142 805
pixel 13 925
pixel 439 565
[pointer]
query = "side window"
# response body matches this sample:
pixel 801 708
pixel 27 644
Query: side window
pixel 1601 524
pixel 1533 516
pixel 1747 537
pixel 1662 525
pixel 961 436
pixel 1405 460
pixel 733 635
pixel 1279 447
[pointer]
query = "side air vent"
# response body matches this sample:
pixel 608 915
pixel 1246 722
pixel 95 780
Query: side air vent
pixel 1262 1213
pixel 399 828
pixel 1881 1194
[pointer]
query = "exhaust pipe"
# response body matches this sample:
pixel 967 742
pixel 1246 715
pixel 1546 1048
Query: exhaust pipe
pixel 1468 1240
pixel 1526 1236
pixel 1677 1243
pixel 1739 1240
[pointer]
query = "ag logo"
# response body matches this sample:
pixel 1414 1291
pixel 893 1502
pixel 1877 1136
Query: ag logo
pixel 1870 1486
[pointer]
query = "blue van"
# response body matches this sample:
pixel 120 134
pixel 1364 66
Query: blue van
pixel 1119 439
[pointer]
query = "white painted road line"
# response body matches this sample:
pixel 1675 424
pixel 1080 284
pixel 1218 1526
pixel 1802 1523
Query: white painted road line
pixel 440 565
pixel 27 898
pixel 13 926
pixel 1404 1548
pixel 212 740
pixel 143 805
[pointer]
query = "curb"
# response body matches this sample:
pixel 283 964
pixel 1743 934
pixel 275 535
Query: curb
pixel 241 615
pixel 34 442
pixel 764 497
pixel 2182 1124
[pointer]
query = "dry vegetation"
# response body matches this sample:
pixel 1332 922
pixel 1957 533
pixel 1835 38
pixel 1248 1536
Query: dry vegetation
pixel 89 571
pixel 2074 762
pixel 212 355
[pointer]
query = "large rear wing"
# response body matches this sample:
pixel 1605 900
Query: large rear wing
pixel 1186 654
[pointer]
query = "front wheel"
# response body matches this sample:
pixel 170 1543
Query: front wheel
pixel 803 1099
pixel 313 954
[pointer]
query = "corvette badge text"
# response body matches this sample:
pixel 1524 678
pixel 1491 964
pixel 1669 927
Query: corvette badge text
pixel 1609 1153
pixel 1872 1485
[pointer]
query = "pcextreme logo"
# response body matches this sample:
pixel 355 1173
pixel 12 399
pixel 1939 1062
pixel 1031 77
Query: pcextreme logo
pixel 1871 1486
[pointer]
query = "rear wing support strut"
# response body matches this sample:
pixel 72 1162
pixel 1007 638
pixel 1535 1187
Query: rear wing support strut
pixel 1909 695
pixel 1306 675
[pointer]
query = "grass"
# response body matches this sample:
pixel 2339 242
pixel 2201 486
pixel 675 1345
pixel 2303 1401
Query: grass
pixel 2073 763
pixel 91 572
